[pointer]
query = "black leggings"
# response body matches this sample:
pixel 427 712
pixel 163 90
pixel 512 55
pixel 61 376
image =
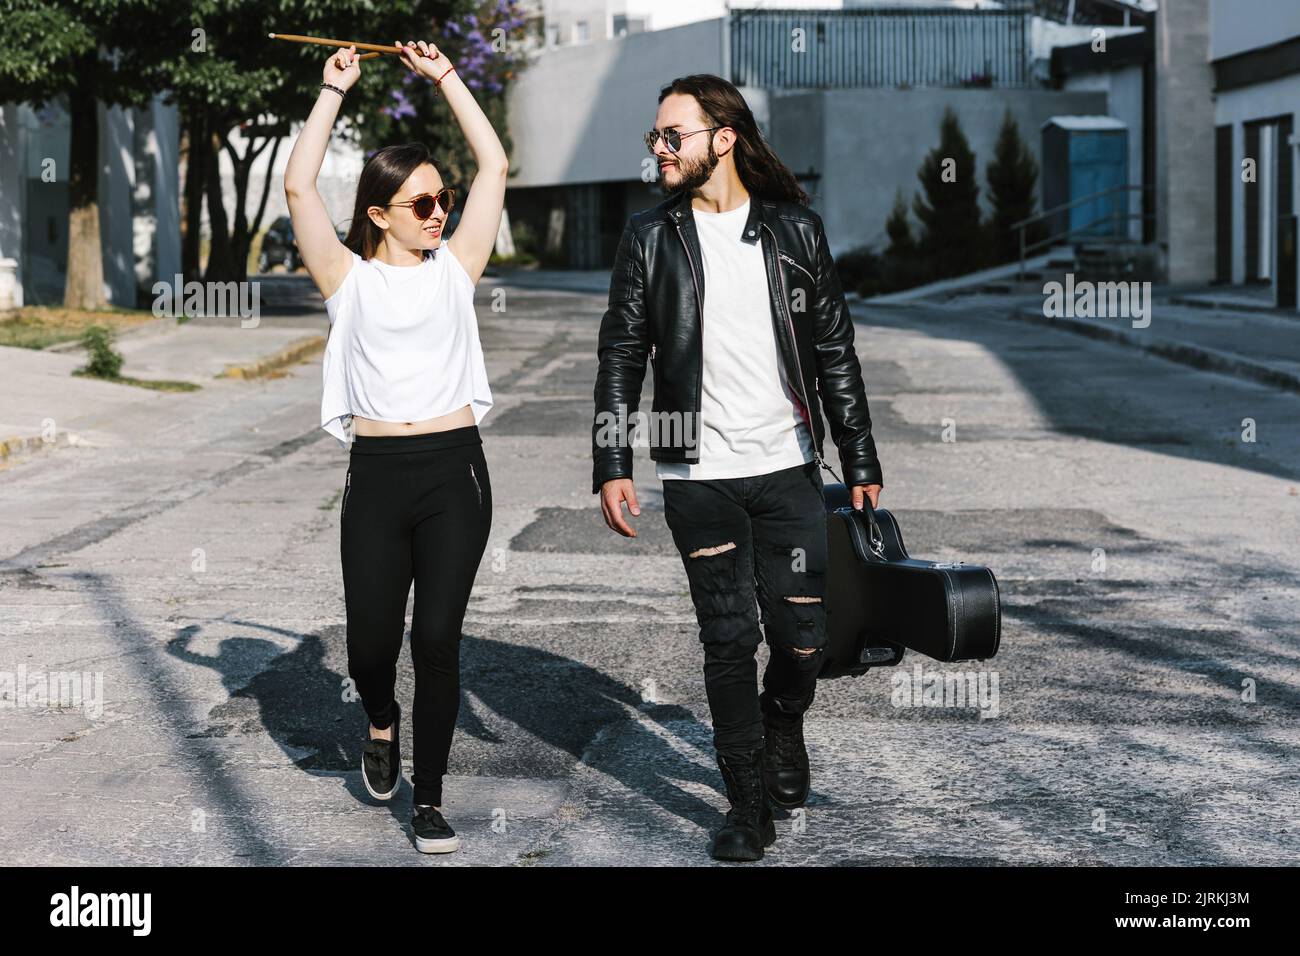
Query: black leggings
pixel 415 507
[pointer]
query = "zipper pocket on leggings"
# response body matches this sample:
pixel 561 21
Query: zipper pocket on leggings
pixel 347 486
pixel 477 489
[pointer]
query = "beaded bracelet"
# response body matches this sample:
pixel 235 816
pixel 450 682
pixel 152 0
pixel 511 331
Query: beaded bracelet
pixel 331 86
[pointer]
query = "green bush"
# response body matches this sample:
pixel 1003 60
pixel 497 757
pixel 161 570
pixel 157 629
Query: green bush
pixel 104 362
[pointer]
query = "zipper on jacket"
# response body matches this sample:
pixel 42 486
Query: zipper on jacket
pixel 799 267
pixel 699 307
pixel 477 489
pixel 794 344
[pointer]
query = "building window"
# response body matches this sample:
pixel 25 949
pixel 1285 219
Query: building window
pixel 623 24
pixel 580 32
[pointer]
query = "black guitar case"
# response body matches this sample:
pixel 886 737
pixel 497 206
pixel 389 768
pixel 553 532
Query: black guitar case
pixel 879 600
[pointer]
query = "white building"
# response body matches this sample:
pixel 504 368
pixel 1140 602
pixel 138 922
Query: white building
pixel 139 218
pixel 852 114
pixel 1256 63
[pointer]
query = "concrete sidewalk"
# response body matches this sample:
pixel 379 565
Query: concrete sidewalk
pixel 1255 346
pixel 42 403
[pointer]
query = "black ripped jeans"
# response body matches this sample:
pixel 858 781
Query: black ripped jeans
pixel 416 508
pixel 777 524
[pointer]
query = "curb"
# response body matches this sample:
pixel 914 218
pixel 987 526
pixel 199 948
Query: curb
pixel 1231 305
pixel 291 354
pixel 18 445
pixel 1194 356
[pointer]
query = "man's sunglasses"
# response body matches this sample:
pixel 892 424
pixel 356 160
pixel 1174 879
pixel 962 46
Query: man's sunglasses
pixel 423 206
pixel 672 137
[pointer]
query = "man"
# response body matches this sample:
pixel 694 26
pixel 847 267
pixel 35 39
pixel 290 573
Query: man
pixel 728 287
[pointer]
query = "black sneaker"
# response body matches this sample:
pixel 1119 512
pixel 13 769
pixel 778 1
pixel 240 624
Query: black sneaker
pixel 433 834
pixel 785 757
pixel 381 762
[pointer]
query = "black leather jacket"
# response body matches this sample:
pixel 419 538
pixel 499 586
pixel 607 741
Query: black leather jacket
pixel 656 301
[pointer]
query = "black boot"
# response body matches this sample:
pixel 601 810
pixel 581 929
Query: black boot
pixel 785 758
pixel 749 827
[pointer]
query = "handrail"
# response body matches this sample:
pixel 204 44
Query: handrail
pixel 1057 237
pixel 1050 240
pixel 1077 202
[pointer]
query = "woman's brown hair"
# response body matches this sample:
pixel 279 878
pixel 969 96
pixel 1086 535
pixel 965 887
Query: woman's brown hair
pixel 381 178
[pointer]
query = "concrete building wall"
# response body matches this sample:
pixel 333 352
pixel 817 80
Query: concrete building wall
pixel 1245 105
pixel 116 216
pixel 1123 91
pixel 579 113
pixel 871 143
pixel 337 182
pixel 13 193
pixel 34 207
pixel 1241 25
pixel 1185 150
pixel 165 147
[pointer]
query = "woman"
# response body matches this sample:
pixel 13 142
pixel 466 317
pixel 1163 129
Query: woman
pixel 404 366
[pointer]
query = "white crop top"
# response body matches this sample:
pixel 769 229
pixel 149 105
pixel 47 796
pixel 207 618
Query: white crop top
pixel 403 344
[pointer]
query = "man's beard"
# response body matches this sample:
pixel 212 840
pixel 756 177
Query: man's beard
pixel 693 173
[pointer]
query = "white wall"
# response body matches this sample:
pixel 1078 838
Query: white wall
pixel 337 182
pixel 578 114
pixel 116 217
pixel 1239 106
pixel 13 192
pixel 1123 90
pixel 166 146
pixel 874 141
pixel 1241 25
pixel 27 140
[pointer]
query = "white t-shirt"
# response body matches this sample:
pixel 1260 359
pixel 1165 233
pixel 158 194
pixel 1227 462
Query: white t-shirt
pixel 403 344
pixel 749 418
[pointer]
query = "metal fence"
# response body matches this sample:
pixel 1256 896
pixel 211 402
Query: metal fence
pixel 825 49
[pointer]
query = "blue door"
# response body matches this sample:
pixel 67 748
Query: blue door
pixel 1099 161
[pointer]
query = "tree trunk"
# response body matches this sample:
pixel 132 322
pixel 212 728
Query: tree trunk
pixel 195 176
pixel 221 265
pixel 84 288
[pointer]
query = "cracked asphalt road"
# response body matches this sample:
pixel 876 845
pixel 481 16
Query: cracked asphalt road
pixel 1148 688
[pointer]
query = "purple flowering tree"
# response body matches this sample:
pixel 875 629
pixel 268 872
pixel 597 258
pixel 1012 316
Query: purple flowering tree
pixel 482 38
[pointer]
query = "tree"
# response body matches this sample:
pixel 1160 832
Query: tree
pixel 902 244
pixel 481 44
pixel 1012 179
pixel 949 214
pixel 87 52
pixel 228 75
pixel 261 87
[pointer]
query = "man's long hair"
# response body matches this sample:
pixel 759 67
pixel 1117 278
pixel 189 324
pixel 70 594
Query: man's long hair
pixel 758 167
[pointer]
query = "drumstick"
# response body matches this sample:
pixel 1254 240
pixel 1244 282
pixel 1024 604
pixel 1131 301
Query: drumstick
pixel 343 44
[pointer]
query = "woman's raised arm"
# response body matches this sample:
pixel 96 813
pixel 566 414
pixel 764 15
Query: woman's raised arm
pixel 326 259
pixel 476 233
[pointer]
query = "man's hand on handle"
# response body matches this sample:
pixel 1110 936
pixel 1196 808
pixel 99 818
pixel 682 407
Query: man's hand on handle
pixel 871 491
pixel 612 495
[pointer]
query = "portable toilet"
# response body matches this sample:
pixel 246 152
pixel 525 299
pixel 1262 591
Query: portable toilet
pixel 1084 155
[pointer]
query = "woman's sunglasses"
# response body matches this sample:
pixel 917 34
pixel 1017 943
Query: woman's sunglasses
pixel 423 206
pixel 672 137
